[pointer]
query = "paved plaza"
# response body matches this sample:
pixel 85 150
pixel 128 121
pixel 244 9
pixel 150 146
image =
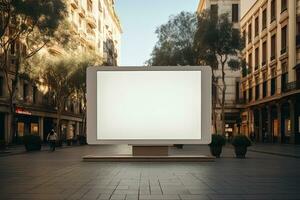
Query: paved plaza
pixel 63 175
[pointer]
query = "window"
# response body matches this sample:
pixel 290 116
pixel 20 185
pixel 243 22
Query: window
pixel 237 91
pixel 244 36
pixel 264 53
pixel 72 15
pixel 34 128
pixel 284 76
pixel 283 39
pixel 89 5
pixel 1 86
pixel 235 12
pixel 273 10
pixel 250 94
pixel 34 94
pixel 99 5
pixel 265 88
pixel 21 129
pixel 249 33
pixel 25 91
pixel 273 47
pixel 256 26
pixel 256 58
pixel 257 91
pixel 214 10
pixel 264 19
pixel 245 95
pixel 273 82
pixel 283 5
pixel 250 62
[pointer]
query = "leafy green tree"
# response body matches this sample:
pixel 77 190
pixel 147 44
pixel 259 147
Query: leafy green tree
pixel 56 75
pixel 218 45
pixel 175 41
pixel 78 80
pixel 25 28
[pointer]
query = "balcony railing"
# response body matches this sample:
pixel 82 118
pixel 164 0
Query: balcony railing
pixel 82 12
pixel 291 86
pixel 91 20
pixel 74 3
pixel 283 51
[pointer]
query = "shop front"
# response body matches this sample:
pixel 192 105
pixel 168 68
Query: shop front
pixel 26 123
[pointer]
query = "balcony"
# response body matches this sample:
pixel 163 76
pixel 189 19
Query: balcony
pixel 82 12
pixel 298 41
pixel 91 20
pixel 74 4
pixel 283 51
pixel 291 86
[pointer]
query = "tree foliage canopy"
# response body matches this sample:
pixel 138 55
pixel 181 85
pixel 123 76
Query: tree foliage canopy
pixel 32 21
pixel 217 41
pixel 175 41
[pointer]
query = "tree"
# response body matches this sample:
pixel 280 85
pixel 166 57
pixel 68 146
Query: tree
pixel 25 28
pixel 56 75
pixel 78 80
pixel 218 45
pixel 175 41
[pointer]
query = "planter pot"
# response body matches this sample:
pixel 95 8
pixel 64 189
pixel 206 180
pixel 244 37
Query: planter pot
pixel 240 151
pixel 69 142
pixel 216 150
pixel 33 147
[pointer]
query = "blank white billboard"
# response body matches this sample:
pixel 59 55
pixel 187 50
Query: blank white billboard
pixel 140 106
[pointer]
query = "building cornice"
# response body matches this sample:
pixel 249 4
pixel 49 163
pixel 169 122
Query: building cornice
pixel 113 14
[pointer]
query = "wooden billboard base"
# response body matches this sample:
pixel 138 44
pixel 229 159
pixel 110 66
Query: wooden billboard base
pixel 146 153
pixel 131 158
pixel 143 150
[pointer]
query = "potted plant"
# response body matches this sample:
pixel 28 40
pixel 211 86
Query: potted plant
pixel 69 142
pixel 32 142
pixel 217 142
pixel 240 143
pixel 82 140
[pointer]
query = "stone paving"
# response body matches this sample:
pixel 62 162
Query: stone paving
pixel 63 175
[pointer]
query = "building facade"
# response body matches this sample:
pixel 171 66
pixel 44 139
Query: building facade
pixel 271 81
pixel 233 102
pixel 97 28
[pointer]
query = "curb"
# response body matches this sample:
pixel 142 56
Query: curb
pixel 274 153
pixel 10 153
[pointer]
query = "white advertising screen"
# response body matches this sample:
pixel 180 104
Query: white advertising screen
pixel 148 105
pixel 140 106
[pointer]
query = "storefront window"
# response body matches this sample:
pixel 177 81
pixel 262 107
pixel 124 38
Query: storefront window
pixel 34 128
pixel 21 129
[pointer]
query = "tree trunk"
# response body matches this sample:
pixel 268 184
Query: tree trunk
pixel 58 118
pixel 223 98
pixel 12 94
pixel 214 105
pixel 83 127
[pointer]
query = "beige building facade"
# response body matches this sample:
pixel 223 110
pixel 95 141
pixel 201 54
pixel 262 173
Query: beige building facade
pixel 233 102
pixel 96 27
pixel 271 82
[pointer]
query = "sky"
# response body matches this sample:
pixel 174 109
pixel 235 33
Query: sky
pixel 139 20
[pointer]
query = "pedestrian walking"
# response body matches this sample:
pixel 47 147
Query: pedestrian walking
pixel 51 138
